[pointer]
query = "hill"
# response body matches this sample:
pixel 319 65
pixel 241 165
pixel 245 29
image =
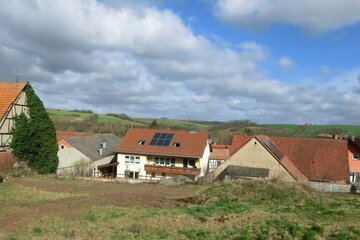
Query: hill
pixel 88 121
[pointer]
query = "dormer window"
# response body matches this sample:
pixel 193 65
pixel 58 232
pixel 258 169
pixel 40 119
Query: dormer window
pixel 141 142
pixel 177 144
pixel 356 156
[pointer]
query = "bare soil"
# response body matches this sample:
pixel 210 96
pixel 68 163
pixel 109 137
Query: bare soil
pixel 92 193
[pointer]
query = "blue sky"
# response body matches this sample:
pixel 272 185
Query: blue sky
pixel 264 60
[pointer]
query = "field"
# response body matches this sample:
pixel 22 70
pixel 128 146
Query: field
pixel 221 132
pixel 65 208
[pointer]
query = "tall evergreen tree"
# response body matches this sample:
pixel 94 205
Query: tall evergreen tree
pixel 20 136
pixel 40 136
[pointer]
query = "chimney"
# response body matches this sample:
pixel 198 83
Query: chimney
pixel 100 151
pixel 103 144
pixel 335 136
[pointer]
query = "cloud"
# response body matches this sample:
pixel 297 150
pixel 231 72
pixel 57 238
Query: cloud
pixel 315 16
pixel 145 61
pixel 285 63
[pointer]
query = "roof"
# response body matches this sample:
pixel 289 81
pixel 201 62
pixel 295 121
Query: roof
pixel 306 158
pixel 317 159
pixel 67 134
pixel 9 92
pixel 238 141
pixel 220 152
pixel 89 145
pixel 192 144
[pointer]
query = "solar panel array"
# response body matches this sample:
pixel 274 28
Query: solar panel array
pixel 161 139
pixel 273 148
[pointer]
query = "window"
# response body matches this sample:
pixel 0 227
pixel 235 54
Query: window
pixel 177 144
pixel 189 163
pixel 165 161
pixel 153 174
pixel 163 175
pixel 62 146
pixel 141 142
pixel 132 159
pixel 131 174
pixel 356 156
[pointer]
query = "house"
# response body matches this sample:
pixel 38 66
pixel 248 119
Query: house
pixel 12 103
pixel 354 159
pixel 288 159
pixel 218 154
pixel 80 153
pixel 155 154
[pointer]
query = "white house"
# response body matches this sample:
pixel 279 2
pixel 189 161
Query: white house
pixel 80 153
pixel 156 154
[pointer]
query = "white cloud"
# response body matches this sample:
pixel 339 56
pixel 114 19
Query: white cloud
pixel 315 16
pixel 144 61
pixel 285 63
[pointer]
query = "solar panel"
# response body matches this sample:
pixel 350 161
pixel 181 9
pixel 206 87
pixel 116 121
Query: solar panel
pixel 273 148
pixel 161 139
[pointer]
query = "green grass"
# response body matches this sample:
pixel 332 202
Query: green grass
pixel 17 194
pixel 235 210
pixel 350 130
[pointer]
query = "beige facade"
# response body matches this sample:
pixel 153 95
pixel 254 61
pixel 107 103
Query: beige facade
pixel 254 155
pixel 7 122
pixel 69 157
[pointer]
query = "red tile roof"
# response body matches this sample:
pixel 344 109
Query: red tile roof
pixel 220 152
pixel 191 144
pixel 66 134
pixel 238 141
pixel 9 91
pixel 307 158
pixel 317 159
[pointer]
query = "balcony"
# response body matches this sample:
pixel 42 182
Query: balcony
pixel 172 170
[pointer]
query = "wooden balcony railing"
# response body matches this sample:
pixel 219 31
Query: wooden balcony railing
pixel 172 170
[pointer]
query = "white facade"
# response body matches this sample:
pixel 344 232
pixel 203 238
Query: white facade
pixel 69 157
pixel 134 164
pixel 131 163
pixel 7 123
pixel 205 160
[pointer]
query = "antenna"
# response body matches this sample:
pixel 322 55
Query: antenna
pixel 17 75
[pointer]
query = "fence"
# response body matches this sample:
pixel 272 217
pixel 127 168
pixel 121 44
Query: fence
pixel 127 177
pixel 7 161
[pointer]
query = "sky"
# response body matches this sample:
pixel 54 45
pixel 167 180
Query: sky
pixel 269 61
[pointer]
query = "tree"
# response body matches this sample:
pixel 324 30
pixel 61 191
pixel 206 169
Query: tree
pixel 20 136
pixel 154 124
pixel 34 140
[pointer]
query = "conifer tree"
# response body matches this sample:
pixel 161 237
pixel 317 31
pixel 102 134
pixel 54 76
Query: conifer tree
pixel 37 144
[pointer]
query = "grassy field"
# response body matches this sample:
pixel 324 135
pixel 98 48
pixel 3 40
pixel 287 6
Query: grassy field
pixel 177 123
pixel 220 132
pixel 68 115
pixel 237 210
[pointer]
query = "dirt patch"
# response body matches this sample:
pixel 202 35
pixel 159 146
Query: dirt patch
pixel 89 194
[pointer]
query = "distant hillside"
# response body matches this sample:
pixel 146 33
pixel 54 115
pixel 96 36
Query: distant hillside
pixel 223 132
pixel 87 121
